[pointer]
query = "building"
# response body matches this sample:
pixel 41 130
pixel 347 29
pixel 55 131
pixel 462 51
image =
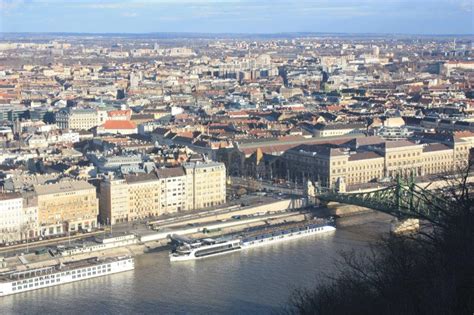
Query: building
pixel 113 201
pixel 66 207
pixel 133 197
pixel 30 225
pixel 77 119
pixel 323 163
pixel 332 130
pixel 11 208
pixel 122 127
pixel 174 190
pixel 401 158
pixel 144 193
pixel 357 164
pixel 208 187
pixel 111 163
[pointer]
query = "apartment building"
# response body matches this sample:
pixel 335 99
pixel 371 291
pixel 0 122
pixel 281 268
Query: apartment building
pixel 113 201
pixel 30 225
pixel 11 207
pixel 208 184
pixel 173 190
pixel 166 190
pixel 143 196
pixel 77 119
pixel 66 206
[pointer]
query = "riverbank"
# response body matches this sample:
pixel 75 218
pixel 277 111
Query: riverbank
pixel 257 281
pixel 348 222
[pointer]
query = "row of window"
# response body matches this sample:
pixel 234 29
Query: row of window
pixel 62 274
pixel 394 156
pixel 90 273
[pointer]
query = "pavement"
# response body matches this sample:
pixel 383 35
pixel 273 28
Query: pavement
pixel 138 227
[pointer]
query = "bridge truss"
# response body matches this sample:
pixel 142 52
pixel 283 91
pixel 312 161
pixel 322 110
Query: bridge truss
pixel 403 199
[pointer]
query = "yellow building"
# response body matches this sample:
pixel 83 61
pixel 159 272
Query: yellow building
pixel 167 190
pixel 463 143
pixel 363 167
pixel 77 118
pixel 208 187
pixel 437 159
pixel 402 158
pixel 143 196
pixel 326 163
pixel 113 201
pixel 66 206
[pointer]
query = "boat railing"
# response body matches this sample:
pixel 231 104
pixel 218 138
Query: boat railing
pixel 269 230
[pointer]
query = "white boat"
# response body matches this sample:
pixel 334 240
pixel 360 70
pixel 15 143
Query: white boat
pixel 13 282
pixel 285 235
pixel 205 248
pixel 190 249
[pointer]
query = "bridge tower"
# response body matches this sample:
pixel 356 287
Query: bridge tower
pixel 310 192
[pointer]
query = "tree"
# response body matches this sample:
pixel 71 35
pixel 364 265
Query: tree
pixel 431 272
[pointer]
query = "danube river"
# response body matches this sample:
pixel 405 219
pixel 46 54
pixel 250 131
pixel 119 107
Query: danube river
pixel 255 281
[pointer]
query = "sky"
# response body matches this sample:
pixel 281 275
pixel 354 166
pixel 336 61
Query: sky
pixel 238 16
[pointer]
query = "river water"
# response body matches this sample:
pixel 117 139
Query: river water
pixel 254 281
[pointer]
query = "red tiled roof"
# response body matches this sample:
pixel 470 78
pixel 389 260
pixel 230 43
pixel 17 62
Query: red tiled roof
pixel 119 124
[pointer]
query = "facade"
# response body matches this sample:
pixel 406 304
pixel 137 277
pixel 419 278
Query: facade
pixel 326 163
pixel 143 196
pixel 113 201
pixel 401 158
pixel 11 207
pixel 322 163
pixel 208 184
pixel 363 167
pixel 30 226
pixel 334 130
pixel 66 207
pixel 77 119
pixel 137 196
pixel 174 190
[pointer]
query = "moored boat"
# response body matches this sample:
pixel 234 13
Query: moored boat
pixel 190 249
pixel 15 281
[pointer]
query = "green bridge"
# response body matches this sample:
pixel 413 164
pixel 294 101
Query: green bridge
pixel 404 199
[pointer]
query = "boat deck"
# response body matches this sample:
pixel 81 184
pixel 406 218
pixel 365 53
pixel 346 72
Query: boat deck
pixel 68 266
pixel 253 232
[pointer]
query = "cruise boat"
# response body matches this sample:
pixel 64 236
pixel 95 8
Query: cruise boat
pixel 204 248
pixel 280 234
pixel 190 249
pixel 13 282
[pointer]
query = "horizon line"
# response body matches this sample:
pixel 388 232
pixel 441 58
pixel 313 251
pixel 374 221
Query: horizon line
pixel 241 33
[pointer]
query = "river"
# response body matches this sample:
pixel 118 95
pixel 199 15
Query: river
pixel 254 281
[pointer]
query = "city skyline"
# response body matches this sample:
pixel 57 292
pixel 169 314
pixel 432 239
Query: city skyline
pixel 243 16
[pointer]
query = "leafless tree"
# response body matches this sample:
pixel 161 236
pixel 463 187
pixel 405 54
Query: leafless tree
pixel 431 272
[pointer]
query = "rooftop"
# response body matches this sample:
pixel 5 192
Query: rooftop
pixel 119 124
pixel 62 187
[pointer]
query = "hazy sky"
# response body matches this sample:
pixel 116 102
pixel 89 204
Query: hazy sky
pixel 238 16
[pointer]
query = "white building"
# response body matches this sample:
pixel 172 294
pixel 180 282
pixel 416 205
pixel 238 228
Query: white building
pixel 11 207
pixel 173 189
